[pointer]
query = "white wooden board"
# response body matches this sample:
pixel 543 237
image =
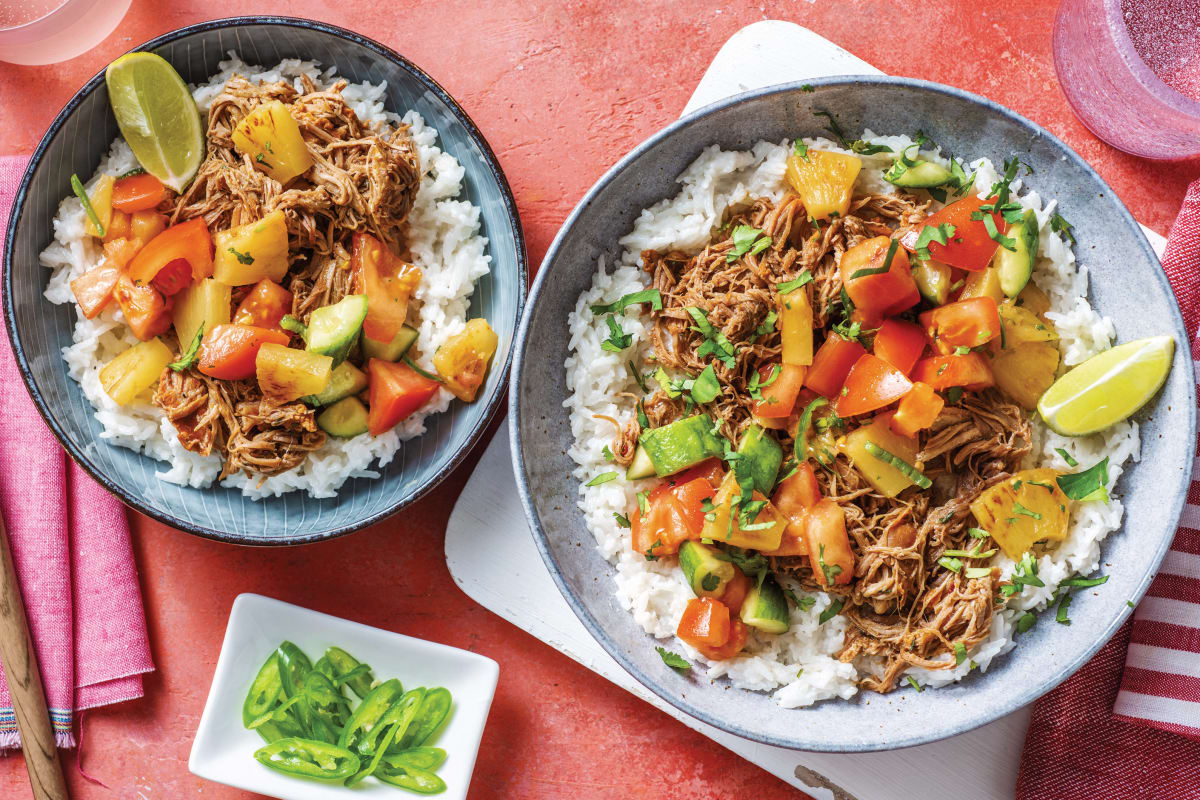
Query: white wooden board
pixel 490 551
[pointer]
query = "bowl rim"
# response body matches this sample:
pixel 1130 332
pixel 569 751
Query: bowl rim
pixel 1030 690
pixel 494 401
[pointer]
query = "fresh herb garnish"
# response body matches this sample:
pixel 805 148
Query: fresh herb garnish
pixel 261 158
pixel 650 554
pixel 832 611
pixel 417 369
pixel 800 445
pixel 243 258
pixel 1025 574
pixel 807 87
pixel 952 564
pixel 607 452
pixel 960 653
pixel 1085 583
pixel 603 477
pixel 887 263
pixel 1020 509
pixel 643 501
pixel 1059 225
pixel 710 582
pixel 752 565
pixel 989 223
pixel 706 387
pixel 81 193
pixel 961 350
pixel 637 376
pixel 954 394
pixel 830 571
pixel 747 240
pixel 673 660
pixel 978 533
pixel 930 234
pixel 191 355
pixel 912 473
pixel 1064 602
pixel 622 520
pixel 850 331
pixel 795 283
pixel 1025 622
pixel 1087 485
pixel 767 326
pixel 643 420
pixel 617 339
pixel 913 683
pixel 1067 457
pixel 651 296
pixel 800 149
pixel 290 323
pixel 756 385
pixel 715 342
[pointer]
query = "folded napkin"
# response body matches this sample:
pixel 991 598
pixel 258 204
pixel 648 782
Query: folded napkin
pixel 1127 725
pixel 70 542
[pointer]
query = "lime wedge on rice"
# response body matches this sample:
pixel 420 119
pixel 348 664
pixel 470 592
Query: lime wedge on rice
pixel 157 116
pixel 1108 387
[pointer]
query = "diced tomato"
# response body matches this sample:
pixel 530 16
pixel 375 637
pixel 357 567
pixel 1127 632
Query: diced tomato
pixel 969 371
pixel 396 391
pixel 146 312
pixel 387 281
pixel 121 251
pixel 137 193
pixel 871 384
pixel 674 512
pixel 265 305
pixel 173 278
pixel 736 591
pixel 831 364
pixel 878 294
pixel 705 623
pixel 969 247
pixel 738 633
pixel 899 343
pixel 711 470
pixel 187 240
pixel 829 550
pixel 228 352
pixel 779 397
pixel 93 289
pixel 917 410
pixel 793 497
pixel 965 323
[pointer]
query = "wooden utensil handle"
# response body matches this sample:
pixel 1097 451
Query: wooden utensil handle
pixel 25 685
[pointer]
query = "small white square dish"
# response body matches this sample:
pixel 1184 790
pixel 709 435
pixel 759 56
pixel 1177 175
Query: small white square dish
pixel 223 750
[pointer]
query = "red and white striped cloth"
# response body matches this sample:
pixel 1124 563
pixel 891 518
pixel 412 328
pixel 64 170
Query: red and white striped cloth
pixel 1127 725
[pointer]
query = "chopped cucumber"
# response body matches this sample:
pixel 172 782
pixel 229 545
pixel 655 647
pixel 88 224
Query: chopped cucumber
pixel 393 350
pixel 681 444
pixel 641 466
pixel 1015 266
pixel 344 419
pixel 921 175
pixel 707 574
pixel 766 607
pixel 345 380
pixel 332 330
pixel 762 456
pixel 933 280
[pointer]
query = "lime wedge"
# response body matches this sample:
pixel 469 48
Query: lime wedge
pixel 1108 387
pixel 157 116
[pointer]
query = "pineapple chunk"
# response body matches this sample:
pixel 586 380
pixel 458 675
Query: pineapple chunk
pixel 463 360
pixel 206 303
pixel 100 199
pixel 248 253
pixel 1025 372
pixel 984 283
pixel 796 327
pixel 1022 325
pixel 824 181
pixel 1034 299
pixel 1026 508
pixel 272 139
pixel 135 370
pixel 285 374
pixel 723 528
pixel 886 479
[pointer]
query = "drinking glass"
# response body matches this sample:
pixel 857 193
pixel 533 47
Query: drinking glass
pixel 1131 71
pixel 49 31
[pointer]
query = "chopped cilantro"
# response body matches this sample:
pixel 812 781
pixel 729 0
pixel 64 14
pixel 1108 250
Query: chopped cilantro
pixel 932 233
pixel 1059 225
pixel 795 283
pixel 960 653
pixel 747 240
pixel 622 520
pixel 1067 457
pixel 716 343
pixel 832 611
pixel 1025 622
pixel 706 387
pixel 243 258
pixel 800 149
pixel 1020 509
pixel 651 296
pixel 191 355
pixel 887 263
pixel 603 477
pixel 830 571
pixel 913 683
pixel 1087 485
pixel 617 339
pixel 673 660
pixel 950 563
pixel 607 452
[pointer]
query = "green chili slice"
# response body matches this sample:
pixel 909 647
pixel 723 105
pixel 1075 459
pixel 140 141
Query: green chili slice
pixel 800 448
pixel 308 758
pixel 912 473
pixel 81 193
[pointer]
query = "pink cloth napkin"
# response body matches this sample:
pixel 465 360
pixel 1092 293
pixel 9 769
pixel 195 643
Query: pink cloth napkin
pixel 70 541
pixel 1127 725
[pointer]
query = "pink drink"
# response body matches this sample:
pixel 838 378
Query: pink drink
pixel 49 31
pixel 1131 71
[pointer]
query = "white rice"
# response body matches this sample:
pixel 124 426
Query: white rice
pixel 799 667
pixel 445 242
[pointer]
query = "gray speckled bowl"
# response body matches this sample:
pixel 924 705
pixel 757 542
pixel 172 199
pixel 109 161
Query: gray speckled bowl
pixel 1127 285
pixel 76 140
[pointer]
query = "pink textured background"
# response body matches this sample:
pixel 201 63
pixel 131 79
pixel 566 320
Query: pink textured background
pixel 561 93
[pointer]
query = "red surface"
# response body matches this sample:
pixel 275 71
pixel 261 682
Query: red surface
pixel 561 93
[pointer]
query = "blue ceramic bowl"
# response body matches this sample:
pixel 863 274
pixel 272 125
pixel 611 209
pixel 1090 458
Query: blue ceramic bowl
pixel 1110 244
pixel 77 139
